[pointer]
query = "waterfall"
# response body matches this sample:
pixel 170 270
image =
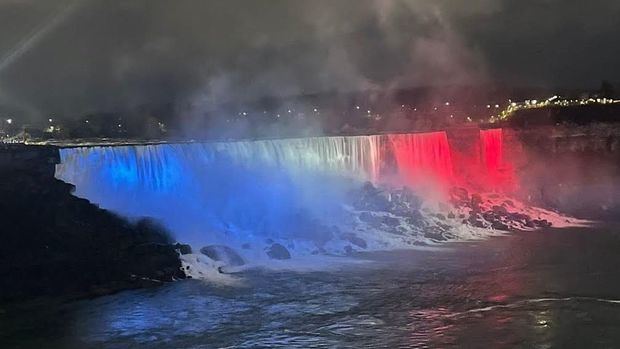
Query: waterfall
pixel 422 156
pixel 498 172
pixel 262 188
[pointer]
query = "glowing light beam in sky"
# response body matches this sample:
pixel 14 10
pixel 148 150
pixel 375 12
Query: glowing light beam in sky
pixel 38 33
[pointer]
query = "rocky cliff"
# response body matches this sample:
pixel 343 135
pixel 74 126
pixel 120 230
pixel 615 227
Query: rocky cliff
pixel 53 243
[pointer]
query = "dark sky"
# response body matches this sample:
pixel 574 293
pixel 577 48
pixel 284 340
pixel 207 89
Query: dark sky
pixel 72 56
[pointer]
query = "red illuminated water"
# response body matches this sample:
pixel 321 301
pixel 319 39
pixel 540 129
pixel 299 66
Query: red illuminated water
pixel 498 171
pixel 422 156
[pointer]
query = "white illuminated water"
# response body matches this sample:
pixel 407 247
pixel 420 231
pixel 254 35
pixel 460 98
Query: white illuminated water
pixel 223 191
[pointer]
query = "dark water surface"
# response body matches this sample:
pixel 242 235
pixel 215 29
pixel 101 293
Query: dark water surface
pixel 551 289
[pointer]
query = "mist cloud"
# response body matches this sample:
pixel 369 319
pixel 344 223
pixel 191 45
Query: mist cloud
pixel 109 55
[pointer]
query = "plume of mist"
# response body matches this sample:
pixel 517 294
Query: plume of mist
pixel 112 56
pixel 371 46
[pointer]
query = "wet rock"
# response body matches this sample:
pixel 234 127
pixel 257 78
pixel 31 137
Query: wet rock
pixel 222 253
pixel 404 201
pixel 183 248
pixel 519 217
pixel 459 194
pixel 277 251
pixel 416 219
pixel 390 221
pixel 543 223
pixel 499 209
pixel 497 225
pixel 355 240
pixel 371 198
pixel 435 234
pixel 440 216
pixel 318 251
pixel 371 219
pixel 476 200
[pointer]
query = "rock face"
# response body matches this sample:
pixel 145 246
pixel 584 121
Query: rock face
pixel 223 254
pixel 53 243
pixel 277 251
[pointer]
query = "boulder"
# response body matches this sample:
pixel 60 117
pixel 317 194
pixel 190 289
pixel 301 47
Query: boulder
pixel 371 198
pixel 277 251
pixel 435 235
pixel 497 225
pixel 390 221
pixel 499 209
pixel 183 248
pixel 222 253
pixel 476 200
pixel 355 240
pixel 459 194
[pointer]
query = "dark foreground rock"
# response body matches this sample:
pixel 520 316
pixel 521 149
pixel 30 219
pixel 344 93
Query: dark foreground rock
pixel 53 243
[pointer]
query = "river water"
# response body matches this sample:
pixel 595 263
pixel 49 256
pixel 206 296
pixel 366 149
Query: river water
pixel 548 289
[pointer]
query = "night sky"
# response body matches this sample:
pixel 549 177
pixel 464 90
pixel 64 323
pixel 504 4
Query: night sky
pixel 69 57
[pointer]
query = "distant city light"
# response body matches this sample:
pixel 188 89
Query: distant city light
pixel 50 120
pixel 9 121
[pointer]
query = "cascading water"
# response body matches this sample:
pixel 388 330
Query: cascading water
pixel 498 172
pixel 239 191
pixel 422 156
pixel 213 190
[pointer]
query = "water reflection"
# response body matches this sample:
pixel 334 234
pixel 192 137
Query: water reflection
pixel 476 296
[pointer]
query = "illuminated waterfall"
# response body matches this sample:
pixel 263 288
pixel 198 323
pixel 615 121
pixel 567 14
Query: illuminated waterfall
pixel 422 156
pixel 499 173
pixel 223 189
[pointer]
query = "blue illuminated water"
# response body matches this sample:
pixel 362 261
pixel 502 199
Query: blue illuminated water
pixel 222 191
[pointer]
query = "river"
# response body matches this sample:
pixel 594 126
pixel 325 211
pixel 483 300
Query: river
pixel 547 289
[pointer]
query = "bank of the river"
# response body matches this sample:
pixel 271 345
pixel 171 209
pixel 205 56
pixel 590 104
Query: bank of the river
pixel 53 243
